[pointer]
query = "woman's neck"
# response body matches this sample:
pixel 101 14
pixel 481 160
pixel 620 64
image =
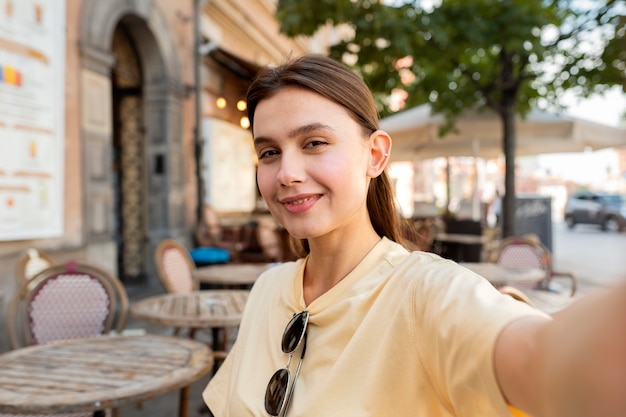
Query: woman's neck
pixel 332 258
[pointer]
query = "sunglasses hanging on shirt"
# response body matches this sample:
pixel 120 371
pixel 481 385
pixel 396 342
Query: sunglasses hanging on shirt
pixel 280 388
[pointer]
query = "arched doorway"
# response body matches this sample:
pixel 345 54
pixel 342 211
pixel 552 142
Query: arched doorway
pixel 129 176
pixel 134 133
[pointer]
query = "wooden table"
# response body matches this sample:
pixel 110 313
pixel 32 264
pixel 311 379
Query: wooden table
pixel 208 309
pixel 230 274
pixel 197 309
pixel 500 275
pixel 98 373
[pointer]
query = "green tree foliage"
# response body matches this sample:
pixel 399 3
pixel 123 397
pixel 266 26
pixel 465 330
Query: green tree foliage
pixel 505 55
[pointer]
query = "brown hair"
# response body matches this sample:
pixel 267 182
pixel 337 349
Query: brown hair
pixel 336 82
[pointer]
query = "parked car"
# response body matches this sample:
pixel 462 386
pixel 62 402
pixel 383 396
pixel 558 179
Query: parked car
pixel 606 210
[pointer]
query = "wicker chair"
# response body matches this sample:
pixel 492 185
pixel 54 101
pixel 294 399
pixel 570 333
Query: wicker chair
pixel 66 302
pixel 519 251
pixel 174 267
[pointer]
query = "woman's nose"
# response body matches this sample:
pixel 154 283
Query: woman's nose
pixel 291 169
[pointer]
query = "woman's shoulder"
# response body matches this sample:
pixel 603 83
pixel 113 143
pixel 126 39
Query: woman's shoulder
pixel 282 268
pixel 430 269
pixel 277 275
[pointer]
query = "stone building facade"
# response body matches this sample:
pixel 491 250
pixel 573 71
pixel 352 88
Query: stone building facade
pixel 134 125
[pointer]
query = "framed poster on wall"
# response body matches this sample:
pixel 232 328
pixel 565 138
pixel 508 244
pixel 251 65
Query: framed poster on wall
pixel 32 118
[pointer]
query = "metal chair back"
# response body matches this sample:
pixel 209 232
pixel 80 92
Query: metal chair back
pixel 520 251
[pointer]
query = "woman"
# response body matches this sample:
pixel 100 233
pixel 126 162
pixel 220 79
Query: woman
pixel 387 332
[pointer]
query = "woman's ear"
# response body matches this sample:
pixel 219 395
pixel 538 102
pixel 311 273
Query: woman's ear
pixel 380 148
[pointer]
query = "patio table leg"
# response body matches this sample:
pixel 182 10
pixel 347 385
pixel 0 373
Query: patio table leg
pixel 183 405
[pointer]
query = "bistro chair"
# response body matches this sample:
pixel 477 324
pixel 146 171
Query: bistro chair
pixel 232 240
pixel 174 267
pixel 524 251
pixel 30 263
pixel 67 302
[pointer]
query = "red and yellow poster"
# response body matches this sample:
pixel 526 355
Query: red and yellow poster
pixel 32 73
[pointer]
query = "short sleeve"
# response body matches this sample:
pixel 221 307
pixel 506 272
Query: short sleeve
pixel 458 324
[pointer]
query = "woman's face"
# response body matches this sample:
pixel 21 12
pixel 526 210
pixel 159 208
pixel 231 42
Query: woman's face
pixel 314 163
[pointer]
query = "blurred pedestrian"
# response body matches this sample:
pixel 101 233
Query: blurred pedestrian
pixel 386 331
pixel 495 211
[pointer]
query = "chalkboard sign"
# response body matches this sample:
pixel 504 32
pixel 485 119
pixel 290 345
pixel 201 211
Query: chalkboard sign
pixel 534 215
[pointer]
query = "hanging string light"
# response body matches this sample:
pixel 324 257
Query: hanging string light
pixel 244 122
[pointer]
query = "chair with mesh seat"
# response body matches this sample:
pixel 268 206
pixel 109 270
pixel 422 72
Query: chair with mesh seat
pixel 66 302
pixel 519 251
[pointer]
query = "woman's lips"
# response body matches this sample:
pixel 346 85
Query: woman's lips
pixel 299 203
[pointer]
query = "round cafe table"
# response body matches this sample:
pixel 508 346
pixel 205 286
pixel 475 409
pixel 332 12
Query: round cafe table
pixel 195 310
pixel 98 373
pixel 206 309
pixel 234 274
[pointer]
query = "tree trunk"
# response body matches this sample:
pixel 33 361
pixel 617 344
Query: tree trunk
pixel 508 142
pixel 448 185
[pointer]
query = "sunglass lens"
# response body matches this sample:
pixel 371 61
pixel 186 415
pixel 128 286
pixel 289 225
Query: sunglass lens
pixel 276 390
pixel 294 331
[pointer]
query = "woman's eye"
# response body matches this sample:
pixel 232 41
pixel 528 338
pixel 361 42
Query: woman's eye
pixel 268 153
pixel 315 143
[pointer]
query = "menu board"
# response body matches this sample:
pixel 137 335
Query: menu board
pixel 32 116
pixel 534 215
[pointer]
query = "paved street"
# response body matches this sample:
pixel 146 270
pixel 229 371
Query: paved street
pixel 598 258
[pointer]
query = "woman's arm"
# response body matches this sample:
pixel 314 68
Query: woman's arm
pixel 574 365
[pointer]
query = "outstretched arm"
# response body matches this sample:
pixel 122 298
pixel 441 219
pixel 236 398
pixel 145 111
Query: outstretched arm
pixel 573 365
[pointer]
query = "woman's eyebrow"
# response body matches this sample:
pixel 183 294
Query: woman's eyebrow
pixel 260 140
pixel 300 130
pixel 308 128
